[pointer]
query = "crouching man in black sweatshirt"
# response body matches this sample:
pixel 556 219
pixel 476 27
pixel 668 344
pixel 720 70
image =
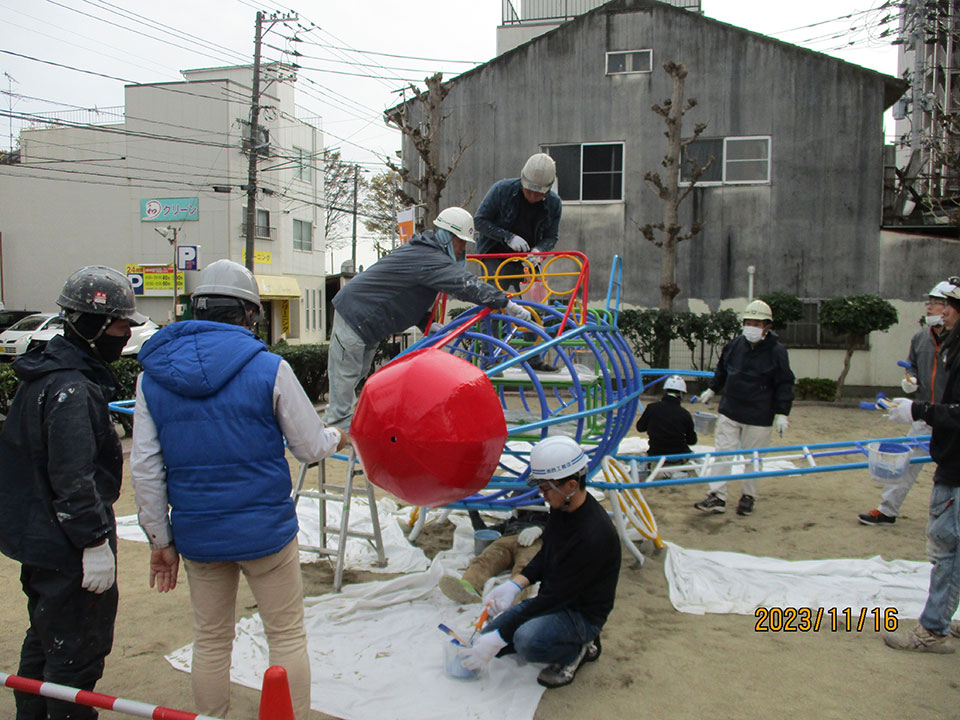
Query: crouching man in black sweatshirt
pixel 577 568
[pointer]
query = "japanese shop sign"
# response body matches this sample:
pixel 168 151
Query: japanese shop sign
pixel 169 209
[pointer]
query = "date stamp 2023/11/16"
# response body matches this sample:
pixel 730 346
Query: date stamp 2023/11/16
pixel 805 619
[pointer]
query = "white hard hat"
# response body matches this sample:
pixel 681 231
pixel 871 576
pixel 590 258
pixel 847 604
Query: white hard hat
pixel 554 458
pixel 458 221
pixel 229 279
pixel 941 289
pixel 675 382
pixel 539 173
pixel 758 310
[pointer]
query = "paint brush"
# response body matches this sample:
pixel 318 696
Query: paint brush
pixel 451 633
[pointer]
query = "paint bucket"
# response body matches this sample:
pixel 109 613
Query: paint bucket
pixel 704 422
pixel 482 539
pixel 887 462
pixel 451 662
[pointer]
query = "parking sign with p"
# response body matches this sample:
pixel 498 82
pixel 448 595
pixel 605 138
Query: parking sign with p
pixel 188 257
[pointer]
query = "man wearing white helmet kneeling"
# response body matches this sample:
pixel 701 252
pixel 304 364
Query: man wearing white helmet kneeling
pixel 577 568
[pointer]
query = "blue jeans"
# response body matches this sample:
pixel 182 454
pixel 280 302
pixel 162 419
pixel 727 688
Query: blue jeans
pixel 553 638
pixel 348 360
pixel 943 549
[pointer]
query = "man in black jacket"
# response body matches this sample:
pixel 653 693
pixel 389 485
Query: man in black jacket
pixel 668 424
pixel 757 384
pixel 577 568
pixel 936 625
pixel 62 461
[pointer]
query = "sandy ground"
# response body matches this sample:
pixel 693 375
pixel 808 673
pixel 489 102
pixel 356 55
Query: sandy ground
pixel 657 662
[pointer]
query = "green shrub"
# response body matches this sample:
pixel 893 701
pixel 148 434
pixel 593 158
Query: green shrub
pixel 309 363
pixel 815 389
pixel 8 386
pixel 785 307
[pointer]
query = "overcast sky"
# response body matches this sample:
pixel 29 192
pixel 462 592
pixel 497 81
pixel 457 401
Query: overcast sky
pixel 140 41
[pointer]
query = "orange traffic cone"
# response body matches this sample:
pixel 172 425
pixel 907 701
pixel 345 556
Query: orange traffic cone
pixel 275 703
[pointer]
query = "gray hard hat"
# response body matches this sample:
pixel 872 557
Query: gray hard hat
pixel 539 173
pixel 228 279
pixel 100 290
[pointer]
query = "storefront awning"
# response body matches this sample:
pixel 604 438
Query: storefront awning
pixel 274 287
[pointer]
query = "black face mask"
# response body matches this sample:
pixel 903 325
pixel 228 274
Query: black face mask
pixel 110 346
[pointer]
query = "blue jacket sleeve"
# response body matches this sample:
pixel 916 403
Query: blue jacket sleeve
pixel 487 219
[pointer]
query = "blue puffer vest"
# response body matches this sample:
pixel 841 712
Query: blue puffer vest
pixel 209 389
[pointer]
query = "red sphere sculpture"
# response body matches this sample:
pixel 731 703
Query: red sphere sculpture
pixel 429 428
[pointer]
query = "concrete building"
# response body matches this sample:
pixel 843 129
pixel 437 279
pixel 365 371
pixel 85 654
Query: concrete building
pixel 115 189
pixel 794 191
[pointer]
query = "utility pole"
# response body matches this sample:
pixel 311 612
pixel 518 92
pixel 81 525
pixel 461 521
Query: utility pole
pixel 10 81
pixel 170 233
pixel 353 245
pixel 254 146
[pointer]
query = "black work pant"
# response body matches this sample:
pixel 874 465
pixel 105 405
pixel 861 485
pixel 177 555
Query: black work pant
pixel 70 635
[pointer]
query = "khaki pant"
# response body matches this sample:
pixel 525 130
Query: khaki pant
pixel 502 554
pixel 278 588
pixel 732 435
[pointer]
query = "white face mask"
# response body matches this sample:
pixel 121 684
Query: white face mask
pixel 753 334
pixel 934 320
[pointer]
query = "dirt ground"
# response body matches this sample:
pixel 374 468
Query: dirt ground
pixel 657 662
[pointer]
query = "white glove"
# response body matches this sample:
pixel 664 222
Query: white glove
pixel 99 568
pixel 482 651
pixel 535 259
pixel 528 536
pixel 780 423
pixel 502 596
pixel 518 244
pixel 909 384
pixel 517 311
pixel 901 411
pixel 706 396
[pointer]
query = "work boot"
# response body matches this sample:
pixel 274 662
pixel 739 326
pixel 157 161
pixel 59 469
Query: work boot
pixel 557 675
pixel 875 517
pixel 594 649
pixel 918 639
pixel 538 365
pixel 711 504
pixel 460 591
pixel 745 506
pixel 955 629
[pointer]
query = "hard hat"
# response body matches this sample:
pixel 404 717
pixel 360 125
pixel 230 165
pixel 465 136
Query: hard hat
pixel 675 382
pixel 458 221
pixel 554 458
pixel 758 310
pixel 941 288
pixel 100 290
pixel 952 289
pixel 539 173
pixel 228 279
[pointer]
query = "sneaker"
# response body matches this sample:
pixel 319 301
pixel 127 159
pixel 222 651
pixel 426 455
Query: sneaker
pixel 557 675
pixel 875 517
pixel 955 628
pixel 918 639
pixel 745 506
pixel 538 365
pixel 594 649
pixel 711 504
pixel 458 590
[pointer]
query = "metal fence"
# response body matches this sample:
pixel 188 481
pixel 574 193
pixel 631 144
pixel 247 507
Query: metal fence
pixel 81 116
pixel 520 11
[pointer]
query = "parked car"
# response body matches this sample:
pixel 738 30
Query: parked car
pixel 9 317
pixel 138 336
pixel 16 339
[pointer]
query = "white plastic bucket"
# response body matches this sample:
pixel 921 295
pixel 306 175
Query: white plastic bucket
pixel 887 462
pixel 704 422
pixel 452 665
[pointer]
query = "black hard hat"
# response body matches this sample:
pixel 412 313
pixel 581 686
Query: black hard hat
pixel 100 290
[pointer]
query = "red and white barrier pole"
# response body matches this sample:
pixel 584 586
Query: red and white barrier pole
pixel 95 699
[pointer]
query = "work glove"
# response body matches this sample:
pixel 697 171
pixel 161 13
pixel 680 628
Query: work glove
pixel 482 651
pixel 909 384
pixel 99 568
pixel 517 311
pixel 706 396
pixel 901 411
pixel 780 423
pixel 502 596
pixel 518 244
pixel 535 259
pixel 528 536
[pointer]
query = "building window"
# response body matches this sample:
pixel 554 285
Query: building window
pixel 807 332
pixel 304 168
pixel 736 160
pixel 630 61
pixel 302 235
pixel 588 172
pixel 262 227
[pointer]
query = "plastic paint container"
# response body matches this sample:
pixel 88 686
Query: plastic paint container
pixel 451 663
pixel 887 462
pixel 482 538
pixel 704 422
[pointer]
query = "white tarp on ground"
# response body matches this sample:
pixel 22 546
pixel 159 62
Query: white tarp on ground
pixel 726 582
pixel 376 653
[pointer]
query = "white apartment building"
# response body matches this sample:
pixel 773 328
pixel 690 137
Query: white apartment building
pixel 119 188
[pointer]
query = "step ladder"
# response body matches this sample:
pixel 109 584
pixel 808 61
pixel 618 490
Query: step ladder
pixel 330 492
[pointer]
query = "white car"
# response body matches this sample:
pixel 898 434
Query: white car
pixel 138 336
pixel 15 340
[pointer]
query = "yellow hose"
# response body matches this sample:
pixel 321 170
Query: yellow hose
pixel 631 500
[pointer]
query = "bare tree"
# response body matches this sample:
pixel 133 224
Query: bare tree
pixel 338 178
pixel 380 210
pixel 670 231
pixel 420 119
